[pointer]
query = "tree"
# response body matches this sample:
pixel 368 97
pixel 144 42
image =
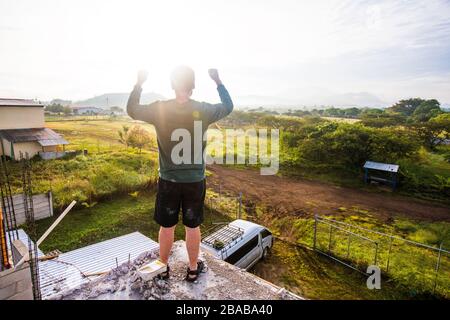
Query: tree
pixel 116 109
pixel 350 145
pixel 382 119
pixel 435 131
pixel 426 110
pixel 55 107
pixel 123 135
pixel 67 110
pixel 406 107
pixel 136 137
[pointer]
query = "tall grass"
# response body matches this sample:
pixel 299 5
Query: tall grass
pixel 90 178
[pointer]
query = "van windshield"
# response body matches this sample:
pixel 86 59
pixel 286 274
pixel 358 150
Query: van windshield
pixel 265 233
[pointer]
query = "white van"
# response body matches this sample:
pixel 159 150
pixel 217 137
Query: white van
pixel 241 243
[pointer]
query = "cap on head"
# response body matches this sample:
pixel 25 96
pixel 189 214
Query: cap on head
pixel 183 79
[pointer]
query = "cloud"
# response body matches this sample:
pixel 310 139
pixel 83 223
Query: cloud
pixel 387 48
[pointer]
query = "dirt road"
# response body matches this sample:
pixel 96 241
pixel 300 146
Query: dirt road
pixel 305 198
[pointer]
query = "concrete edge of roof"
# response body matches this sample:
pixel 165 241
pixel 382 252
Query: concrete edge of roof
pixel 12 102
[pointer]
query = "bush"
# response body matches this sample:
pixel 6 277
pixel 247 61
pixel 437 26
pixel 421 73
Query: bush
pixel 422 180
pixel 351 145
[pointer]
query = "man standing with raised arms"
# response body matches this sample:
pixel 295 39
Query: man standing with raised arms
pixel 181 184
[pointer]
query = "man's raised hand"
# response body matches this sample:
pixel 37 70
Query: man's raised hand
pixel 142 77
pixel 214 74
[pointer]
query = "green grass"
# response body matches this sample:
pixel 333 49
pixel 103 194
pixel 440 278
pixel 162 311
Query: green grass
pixel 411 268
pixel 89 178
pixel 94 135
pixel 107 220
pixel 314 276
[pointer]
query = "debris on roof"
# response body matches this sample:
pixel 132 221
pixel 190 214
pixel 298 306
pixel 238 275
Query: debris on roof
pixel 221 280
pixel 74 268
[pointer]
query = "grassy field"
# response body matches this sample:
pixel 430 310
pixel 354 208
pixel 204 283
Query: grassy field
pixel 110 219
pixel 107 179
pixel 97 135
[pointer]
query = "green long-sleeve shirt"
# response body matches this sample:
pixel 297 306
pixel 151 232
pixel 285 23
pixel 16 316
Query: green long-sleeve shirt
pixel 167 116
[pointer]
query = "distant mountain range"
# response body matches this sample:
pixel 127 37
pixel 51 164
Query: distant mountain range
pixel 115 99
pixel 314 98
pixel 294 98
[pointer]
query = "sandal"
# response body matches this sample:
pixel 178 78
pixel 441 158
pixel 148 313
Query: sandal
pixel 192 275
pixel 164 275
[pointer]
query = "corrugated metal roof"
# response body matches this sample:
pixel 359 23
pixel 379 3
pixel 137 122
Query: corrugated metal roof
pixel 65 272
pixel 52 142
pixel 381 166
pixel 45 136
pixel 6 102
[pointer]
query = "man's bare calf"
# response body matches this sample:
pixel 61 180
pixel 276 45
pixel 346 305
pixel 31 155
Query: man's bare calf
pixel 166 236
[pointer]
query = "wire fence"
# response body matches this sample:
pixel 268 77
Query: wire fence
pixel 423 268
pixel 404 260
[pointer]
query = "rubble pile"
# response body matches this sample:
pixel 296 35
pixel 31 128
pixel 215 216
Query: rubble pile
pixel 219 281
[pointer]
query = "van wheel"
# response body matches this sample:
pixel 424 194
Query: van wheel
pixel 265 253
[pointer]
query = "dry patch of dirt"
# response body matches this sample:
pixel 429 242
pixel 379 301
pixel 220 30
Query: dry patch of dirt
pixel 284 195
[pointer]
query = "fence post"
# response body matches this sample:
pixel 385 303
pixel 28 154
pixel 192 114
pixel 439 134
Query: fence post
pixel 348 246
pixel 50 202
pixel 329 239
pixel 240 205
pixel 211 205
pixel 376 254
pixel 315 231
pixel 389 254
pixel 438 263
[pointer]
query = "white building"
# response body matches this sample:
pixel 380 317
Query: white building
pixel 22 130
pixel 87 110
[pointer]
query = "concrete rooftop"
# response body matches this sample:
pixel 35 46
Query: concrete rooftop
pixel 220 281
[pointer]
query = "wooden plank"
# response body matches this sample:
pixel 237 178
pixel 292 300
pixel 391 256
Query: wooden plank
pixel 46 233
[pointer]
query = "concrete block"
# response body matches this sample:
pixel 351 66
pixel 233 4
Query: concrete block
pixel 24 295
pixel 19 250
pixel 13 276
pixel 8 291
pixel 23 285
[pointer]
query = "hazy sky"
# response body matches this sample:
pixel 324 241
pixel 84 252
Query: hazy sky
pixel 75 49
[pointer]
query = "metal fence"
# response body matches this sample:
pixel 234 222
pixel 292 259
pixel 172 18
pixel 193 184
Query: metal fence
pixel 425 268
pixel 407 261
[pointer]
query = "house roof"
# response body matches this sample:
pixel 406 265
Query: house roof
pixel 381 166
pixel 7 102
pixel 44 136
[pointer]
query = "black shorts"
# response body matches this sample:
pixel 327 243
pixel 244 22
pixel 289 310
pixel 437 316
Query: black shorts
pixel 173 196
